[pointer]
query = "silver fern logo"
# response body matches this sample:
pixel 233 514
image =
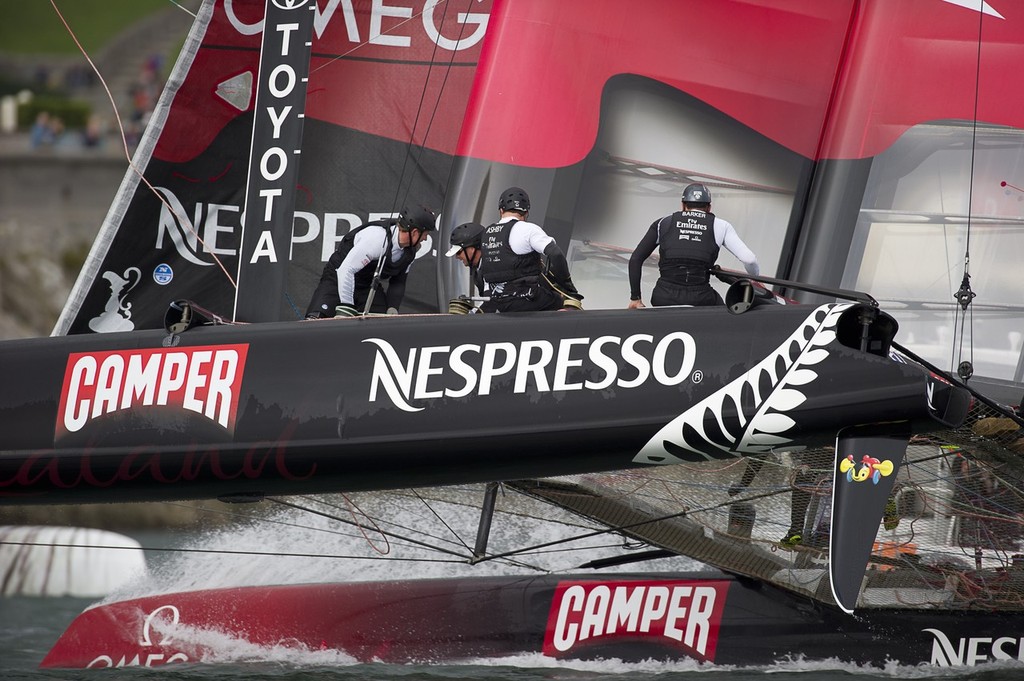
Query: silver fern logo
pixel 773 387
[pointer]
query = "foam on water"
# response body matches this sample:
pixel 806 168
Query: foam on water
pixel 289 546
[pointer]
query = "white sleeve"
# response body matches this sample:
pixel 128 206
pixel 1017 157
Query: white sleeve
pixel 526 237
pixel 368 246
pixel 726 236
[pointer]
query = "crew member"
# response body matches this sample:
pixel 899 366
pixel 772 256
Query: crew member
pixel 522 267
pixel 465 245
pixel 688 243
pixel 348 276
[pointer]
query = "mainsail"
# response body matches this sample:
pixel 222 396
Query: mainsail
pixel 381 122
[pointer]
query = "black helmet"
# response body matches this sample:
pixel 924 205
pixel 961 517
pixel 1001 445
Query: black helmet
pixel 416 218
pixel 467 234
pixel 514 199
pixel 696 193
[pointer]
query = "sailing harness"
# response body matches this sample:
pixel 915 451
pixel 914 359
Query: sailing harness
pixel 507 273
pixel 512 275
pixel 687 247
pixel 386 267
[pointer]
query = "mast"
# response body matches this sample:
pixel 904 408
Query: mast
pixel 279 111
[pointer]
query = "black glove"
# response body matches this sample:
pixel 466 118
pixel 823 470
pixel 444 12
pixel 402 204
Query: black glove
pixel 557 272
pixel 569 289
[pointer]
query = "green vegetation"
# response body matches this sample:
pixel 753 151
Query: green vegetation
pixel 74 114
pixel 33 26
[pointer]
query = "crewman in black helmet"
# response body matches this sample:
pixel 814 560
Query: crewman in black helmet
pixel 465 245
pixel 349 273
pixel 522 267
pixel 688 242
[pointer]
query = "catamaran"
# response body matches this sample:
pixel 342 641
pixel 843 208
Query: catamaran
pixel 861 148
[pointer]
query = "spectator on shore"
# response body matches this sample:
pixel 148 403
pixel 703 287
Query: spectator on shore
pixel 92 135
pixel 42 133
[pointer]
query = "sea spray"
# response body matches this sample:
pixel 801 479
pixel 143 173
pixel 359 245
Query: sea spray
pixel 275 544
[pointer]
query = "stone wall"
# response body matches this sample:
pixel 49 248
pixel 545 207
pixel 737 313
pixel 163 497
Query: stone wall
pixel 51 208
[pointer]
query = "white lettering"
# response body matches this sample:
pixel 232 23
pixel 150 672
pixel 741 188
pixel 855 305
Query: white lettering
pixel 490 370
pixel 999 652
pixel 172 375
pixel 636 360
pixel 108 386
pixel 201 380
pixel 425 371
pixel 658 361
pixel 677 612
pixel 174 221
pixel 968 652
pixel 333 235
pixel 323 17
pixel 140 381
pixel 526 368
pixel 379 11
pixel 464 41
pixel 264 247
pixel 213 227
pixel 603 362
pixel 565 363
pixel 698 621
pixel 974 656
pixel 943 654
pixel 655 606
pixel 271 174
pixel 566 632
pixel 462 370
pixel 196 380
pixel 219 397
pixel 625 609
pixel 76 411
pixel 534 365
pixel 389 372
pixel 595 612
pixel 286 31
pixel 277 118
pixel 276 88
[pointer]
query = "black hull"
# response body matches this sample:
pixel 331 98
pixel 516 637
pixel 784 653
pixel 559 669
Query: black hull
pixel 340 405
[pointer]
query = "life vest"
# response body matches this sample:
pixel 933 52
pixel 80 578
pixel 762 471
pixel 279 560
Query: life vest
pixel 687 247
pixel 499 264
pixel 364 277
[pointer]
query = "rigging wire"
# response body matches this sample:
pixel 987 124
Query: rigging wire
pixel 423 92
pixel 415 494
pixel 124 140
pixel 964 295
pixel 440 519
pixel 376 521
pixel 400 197
pixel 415 542
pixel 339 519
pixel 232 552
pixel 186 10
pixel 184 221
pixel 460 543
